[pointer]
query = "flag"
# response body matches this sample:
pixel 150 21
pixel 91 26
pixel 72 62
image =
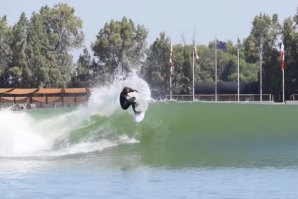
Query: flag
pixel 171 64
pixel 195 51
pixel 221 45
pixel 282 56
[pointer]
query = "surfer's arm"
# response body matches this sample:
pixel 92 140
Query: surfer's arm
pixel 131 90
pixel 128 98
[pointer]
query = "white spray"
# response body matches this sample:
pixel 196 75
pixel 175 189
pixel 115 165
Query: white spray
pixel 22 135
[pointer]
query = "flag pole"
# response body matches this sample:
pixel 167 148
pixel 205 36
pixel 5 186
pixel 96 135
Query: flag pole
pixel 171 70
pixel 238 85
pixel 283 71
pixel 193 73
pixel 215 69
pixel 283 85
pixel 171 87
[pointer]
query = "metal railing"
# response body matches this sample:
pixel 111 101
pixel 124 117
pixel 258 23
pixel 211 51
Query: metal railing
pixel 223 97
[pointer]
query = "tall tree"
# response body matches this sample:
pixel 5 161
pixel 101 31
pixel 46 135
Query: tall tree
pixel 19 72
pixel 290 40
pixel 52 34
pixel 5 51
pixel 37 50
pixel 156 70
pixel 84 74
pixel 185 76
pixel 120 45
pixel 263 38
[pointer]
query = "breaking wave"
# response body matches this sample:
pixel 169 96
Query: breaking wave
pixel 66 131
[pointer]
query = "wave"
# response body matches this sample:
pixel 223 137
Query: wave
pixel 59 132
pixel 172 133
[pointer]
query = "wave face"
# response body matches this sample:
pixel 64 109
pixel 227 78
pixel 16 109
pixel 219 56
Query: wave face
pixel 172 133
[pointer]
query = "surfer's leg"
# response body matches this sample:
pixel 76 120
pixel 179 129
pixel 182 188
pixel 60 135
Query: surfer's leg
pixel 134 105
pixel 132 99
pixel 125 105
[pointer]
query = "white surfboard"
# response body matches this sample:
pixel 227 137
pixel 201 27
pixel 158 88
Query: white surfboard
pixel 138 117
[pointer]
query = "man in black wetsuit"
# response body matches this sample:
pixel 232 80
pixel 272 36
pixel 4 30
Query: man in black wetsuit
pixel 126 101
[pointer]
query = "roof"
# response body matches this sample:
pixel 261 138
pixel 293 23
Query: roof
pixel 27 91
pixel 4 90
pixel 49 91
pixel 75 90
pixel 21 91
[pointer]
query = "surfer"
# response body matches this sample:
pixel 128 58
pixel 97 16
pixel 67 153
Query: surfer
pixel 126 101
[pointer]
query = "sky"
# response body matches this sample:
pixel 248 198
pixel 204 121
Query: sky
pixel 199 19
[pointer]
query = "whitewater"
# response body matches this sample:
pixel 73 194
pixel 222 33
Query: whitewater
pixel 25 136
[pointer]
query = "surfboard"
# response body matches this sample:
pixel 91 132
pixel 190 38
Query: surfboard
pixel 138 117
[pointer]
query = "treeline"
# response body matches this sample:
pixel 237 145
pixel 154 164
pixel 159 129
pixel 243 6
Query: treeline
pixel 36 52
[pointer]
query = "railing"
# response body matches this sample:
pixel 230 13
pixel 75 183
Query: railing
pixel 223 97
pixel 294 97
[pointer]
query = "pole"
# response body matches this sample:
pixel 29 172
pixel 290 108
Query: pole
pixel 193 75
pixel 261 60
pixel 171 70
pixel 282 54
pixel 238 85
pixel 283 85
pixel 215 71
pixel 171 86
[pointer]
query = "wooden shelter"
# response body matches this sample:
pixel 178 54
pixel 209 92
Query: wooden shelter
pixel 44 97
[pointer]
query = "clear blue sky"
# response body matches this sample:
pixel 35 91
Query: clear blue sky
pixel 226 19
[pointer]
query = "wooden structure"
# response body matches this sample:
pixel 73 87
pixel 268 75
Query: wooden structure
pixel 43 97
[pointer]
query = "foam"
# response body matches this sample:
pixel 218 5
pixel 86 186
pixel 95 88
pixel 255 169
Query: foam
pixel 22 135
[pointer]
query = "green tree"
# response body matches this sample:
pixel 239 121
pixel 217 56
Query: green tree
pixel 84 72
pixel 37 50
pixel 52 34
pixel 263 37
pixel 156 70
pixel 290 40
pixel 247 71
pixel 181 82
pixel 120 45
pixel 184 70
pixel 19 72
pixel 5 51
pixel 205 66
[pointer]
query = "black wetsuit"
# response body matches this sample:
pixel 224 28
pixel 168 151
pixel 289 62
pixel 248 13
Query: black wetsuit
pixel 124 101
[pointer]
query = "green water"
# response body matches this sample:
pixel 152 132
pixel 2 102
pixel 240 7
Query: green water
pixel 180 134
pixel 180 150
pixel 191 134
